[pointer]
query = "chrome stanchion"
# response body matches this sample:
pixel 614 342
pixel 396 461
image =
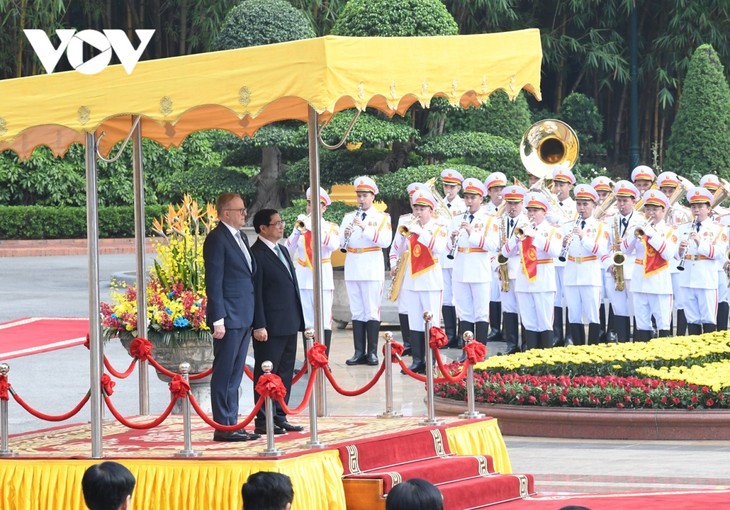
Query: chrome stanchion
pixel 314 441
pixel 471 411
pixel 271 450
pixel 4 450
pixel 389 413
pixel 431 419
pixel 187 450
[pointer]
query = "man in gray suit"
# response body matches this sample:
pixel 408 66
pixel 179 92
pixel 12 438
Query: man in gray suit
pixel 229 271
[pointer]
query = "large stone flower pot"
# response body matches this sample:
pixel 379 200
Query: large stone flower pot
pixel 172 348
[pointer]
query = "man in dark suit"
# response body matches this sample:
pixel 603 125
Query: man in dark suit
pixel 229 272
pixel 278 316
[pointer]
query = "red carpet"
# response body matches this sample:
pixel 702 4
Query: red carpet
pixel 675 500
pixel 34 335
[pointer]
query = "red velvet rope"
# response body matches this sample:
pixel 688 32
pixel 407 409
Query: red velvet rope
pixel 141 348
pixel 317 356
pixel 475 352
pixel 437 338
pixel 445 371
pixel 417 377
pixel 270 385
pixel 360 391
pixel 396 351
pixel 305 399
pixel 139 426
pixel 179 387
pixel 436 380
pixel 300 374
pixel 117 374
pixel 200 375
pixel 107 385
pixel 51 417
pixel 4 387
pixel 248 372
pixel 218 426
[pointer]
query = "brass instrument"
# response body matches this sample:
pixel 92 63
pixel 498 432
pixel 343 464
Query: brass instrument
pixel 721 194
pixel 301 224
pixel 695 222
pixel 352 224
pixel 564 252
pixel 617 257
pixel 455 246
pixel 602 209
pixel 549 144
pixel 640 203
pixel 677 196
pixel 399 271
pixel 442 210
pixel 519 232
pixel 503 270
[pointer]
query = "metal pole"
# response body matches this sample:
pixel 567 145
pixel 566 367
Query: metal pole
pixel 187 450
pixel 316 217
pixel 389 413
pixel 271 450
pixel 471 411
pixel 314 441
pixel 431 411
pixel 139 238
pixel 633 89
pixel 5 451
pixel 96 348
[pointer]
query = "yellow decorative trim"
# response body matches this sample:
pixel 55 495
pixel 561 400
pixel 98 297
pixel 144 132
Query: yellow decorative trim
pixel 352 459
pixel 84 115
pixel 424 87
pixel 3 126
pixel 483 465
pixel 244 96
pixel 361 91
pixel 454 87
pixel 393 95
pixel 480 438
pixel 484 84
pixel 438 443
pixel 166 105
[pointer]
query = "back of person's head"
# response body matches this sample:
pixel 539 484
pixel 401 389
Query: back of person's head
pixel 267 490
pixel 107 486
pixel 574 507
pixel 414 494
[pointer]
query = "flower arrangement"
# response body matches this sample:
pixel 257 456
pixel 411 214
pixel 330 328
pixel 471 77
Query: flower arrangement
pixel 667 373
pixel 176 286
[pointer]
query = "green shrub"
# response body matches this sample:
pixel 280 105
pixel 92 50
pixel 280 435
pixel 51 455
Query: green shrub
pixel 335 167
pixel 206 184
pixel 581 113
pixel 393 186
pixel 335 213
pixel 395 18
pixel 499 117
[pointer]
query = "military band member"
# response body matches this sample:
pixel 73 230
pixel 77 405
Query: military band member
pixel 537 246
pixel 474 235
pixel 495 183
pixel 712 183
pixel 299 245
pixel 563 181
pixel 514 218
pixel 585 244
pixel 604 188
pixel 452 180
pixel 619 227
pixel 364 233
pixel 422 281
pixel 702 244
pixel 643 177
pixel 676 214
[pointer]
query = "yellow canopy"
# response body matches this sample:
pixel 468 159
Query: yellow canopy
pixel 242 90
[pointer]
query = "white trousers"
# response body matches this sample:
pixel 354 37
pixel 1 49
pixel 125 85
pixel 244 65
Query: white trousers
pixel 700 305
pixel 509 299
pixel 448 295
pixel 678 301
pixel 536 310
pixel 307 297
pixel 418 302
pixel 496 293
pixel 621 301
pixel 365 298
pixel 583 303
pixel 658 305
pixel 472 301
pixel 559 294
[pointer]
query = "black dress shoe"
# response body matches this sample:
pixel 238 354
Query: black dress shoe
pixel 406 351
pixel 289 427
pixel 235 436
pixel 277 430
pixel 372 359
pixel 357 360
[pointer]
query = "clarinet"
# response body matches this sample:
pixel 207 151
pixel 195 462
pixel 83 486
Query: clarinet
pixel 451 254
pixel 352 224
pixel 695 221
pixel 564 253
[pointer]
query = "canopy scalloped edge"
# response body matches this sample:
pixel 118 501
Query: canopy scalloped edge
pixel 242 90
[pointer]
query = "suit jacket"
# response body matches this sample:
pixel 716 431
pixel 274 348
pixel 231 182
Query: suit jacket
pixel 228 280
pixel 278 307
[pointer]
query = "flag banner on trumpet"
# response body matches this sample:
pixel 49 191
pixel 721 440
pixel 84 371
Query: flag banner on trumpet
pixel 421 258
pixel 653 261
pixel 529 259
pixel 308 248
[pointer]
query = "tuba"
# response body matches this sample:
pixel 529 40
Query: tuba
pixel 442 210
pixel 549 144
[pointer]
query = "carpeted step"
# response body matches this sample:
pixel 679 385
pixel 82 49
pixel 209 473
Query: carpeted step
pixel 480 492
pixel 436 470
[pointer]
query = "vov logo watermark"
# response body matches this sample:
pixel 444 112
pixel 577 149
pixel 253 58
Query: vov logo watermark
pixel 107 43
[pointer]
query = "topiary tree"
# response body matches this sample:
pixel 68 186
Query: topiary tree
pixel 395 18
pixel 700 135
pixel 253 23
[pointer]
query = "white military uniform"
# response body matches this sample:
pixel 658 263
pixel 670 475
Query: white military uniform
pixel 621 300
pixel 364 264
pixel 400 245
pixel 330 238
pixel 456 208
pixel 566 220
pixel 509 298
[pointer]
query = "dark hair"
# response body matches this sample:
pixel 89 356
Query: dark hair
pixel 263 217
pixel 267 490
pixel 107 485
pixel 574 507
pixel 414 494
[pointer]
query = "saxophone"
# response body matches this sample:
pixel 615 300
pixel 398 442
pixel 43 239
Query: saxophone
pixel 618 257
pixel 503 270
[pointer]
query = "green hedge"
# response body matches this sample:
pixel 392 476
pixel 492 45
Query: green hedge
pixel 42 222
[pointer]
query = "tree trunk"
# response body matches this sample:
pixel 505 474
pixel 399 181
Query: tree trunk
pixel 268 194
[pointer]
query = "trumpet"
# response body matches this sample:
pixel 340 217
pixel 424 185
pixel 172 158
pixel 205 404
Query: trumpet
pixel 564 252
pixel 405 230
pixel 455 247
pixel 301 224
pixel 695 222
pixel 352 224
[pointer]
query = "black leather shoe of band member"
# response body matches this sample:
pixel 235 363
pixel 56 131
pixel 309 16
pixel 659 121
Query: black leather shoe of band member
pixel 235 436
pixel 277 430
pixel 371 359
pixel 357 360
pixel 289 427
